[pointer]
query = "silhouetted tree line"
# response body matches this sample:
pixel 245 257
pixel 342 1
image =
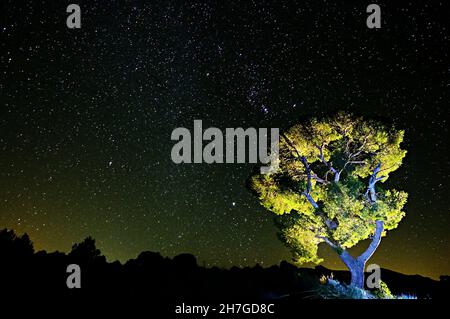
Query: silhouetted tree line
pixel 23 269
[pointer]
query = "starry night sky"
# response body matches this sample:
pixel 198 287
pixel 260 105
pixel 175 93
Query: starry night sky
pixel 86 117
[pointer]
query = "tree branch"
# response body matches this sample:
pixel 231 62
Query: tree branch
pixel 357 162
pixel 308 173
pixel 307 192
pixel 329 242
pixel 375 242
pixel 345 256
pixel 379 225
pixel 371 193
pixel 319 180
pixel 288 141
pixel 308 183
pixel 322 158
pixel 348 259
pixel 352 157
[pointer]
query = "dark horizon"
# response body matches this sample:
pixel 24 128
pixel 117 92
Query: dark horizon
pixel 322 269
pixel 205 265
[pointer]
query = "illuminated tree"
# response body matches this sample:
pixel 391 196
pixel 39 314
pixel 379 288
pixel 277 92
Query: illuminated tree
pixel 325 188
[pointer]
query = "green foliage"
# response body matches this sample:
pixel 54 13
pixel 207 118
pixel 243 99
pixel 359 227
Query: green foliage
pixel 350 145
pixel 304 248
pixel 278 198
pixel 383 292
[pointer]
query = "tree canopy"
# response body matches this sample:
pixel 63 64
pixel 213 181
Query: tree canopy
pixel 324 188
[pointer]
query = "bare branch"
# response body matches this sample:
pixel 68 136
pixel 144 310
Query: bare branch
pixel 306 193
pixel 372 197
pixel 308 173
pixel 322 158
pixel 375 242
pixel 329 242
pixel 288 141
pixel 319 180
pixel 352 156
pixel 371 193
pixel 357 162
pixel 308 183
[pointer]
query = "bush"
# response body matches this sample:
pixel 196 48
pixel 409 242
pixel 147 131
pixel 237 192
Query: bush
pixel 383 292
pixel 333 289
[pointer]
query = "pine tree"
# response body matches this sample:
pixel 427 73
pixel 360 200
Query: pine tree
pixel 326 189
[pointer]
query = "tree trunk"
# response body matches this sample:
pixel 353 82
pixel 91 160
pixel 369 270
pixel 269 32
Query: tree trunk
pixel 356 268
pixel 357 273
pixel 357 265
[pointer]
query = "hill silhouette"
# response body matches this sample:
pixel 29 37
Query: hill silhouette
pixel 23 269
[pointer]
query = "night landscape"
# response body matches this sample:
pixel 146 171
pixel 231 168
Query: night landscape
pixel 117 179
